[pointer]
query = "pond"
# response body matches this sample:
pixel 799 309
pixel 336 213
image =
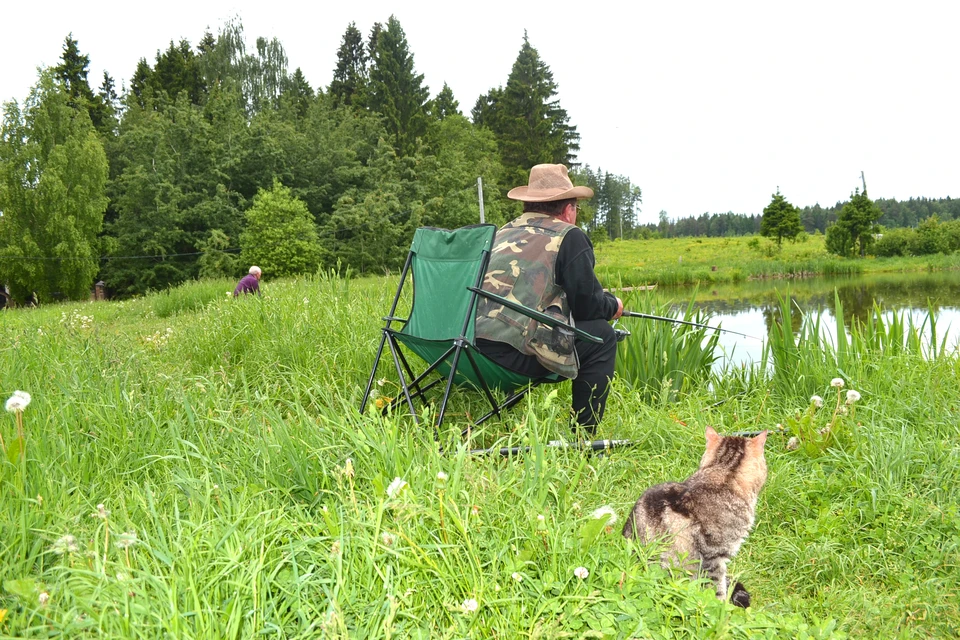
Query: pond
pixel 751 307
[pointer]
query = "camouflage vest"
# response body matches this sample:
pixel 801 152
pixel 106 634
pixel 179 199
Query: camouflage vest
pixel 522 269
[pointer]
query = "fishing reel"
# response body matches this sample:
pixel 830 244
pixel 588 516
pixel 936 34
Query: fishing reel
pixel 621 333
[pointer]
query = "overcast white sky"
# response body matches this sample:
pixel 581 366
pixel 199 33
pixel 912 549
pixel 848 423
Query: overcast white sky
pixel 707 106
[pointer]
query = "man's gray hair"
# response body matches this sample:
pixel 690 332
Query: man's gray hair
pixel 255 270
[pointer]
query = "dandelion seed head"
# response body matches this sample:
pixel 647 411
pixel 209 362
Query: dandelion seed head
pixel 18 401
pixel 395 487
pixel 102 512
pixel 581 572
pixel 470 605
pixel 65 544
pixel 442 477
pixel 388 538
pixel 837 382
pixel 852 396
pixel 607 512
pixel 793 443
pixel 43 598
pixel 127 540
pixel 817 401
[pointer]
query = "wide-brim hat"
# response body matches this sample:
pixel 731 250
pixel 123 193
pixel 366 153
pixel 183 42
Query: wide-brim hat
pixel 548 183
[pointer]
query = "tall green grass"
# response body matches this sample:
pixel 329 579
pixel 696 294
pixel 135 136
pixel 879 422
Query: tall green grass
pixel 223 445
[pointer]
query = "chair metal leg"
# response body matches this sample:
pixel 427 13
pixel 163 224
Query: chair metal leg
pixel 403 383
pixel 373 373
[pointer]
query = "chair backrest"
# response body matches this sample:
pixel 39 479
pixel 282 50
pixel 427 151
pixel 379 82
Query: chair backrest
pixel 444 263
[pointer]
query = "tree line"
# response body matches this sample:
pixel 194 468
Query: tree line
pixel 219 155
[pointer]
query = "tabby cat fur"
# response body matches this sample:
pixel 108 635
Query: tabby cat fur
pixel 706 518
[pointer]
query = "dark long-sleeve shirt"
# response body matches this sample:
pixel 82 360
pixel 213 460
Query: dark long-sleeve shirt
pixel 250 284
pixel 575 275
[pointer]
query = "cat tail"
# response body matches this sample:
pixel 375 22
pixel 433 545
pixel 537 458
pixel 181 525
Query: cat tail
pixel 740 596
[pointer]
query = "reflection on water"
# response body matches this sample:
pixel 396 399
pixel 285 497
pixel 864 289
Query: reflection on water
pixel 753 307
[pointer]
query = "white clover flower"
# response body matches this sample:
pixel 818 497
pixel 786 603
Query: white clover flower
pixel 442 477
pixel 837 382
pixel 65 544
pixel 852 396
pixel 127 540
pixel 516 575
pixel 605 511
pixel 43 597
pixel 793 443
pixel 581 572
pixel 470 605
pixel 18 401
pixel 396 487
pixel 817 401
pixel 388 538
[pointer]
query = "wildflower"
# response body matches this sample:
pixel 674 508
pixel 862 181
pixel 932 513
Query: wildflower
pixel 852 396
pixel 381 382
pixel 516 575
pixel 817 401
pixel 388 538
pixel 442 477
pixel 43 597
pixel 127 540
pixel 306 301
pixel 475 510
pixel 470 605
pixel 581 572
pixel 576 507
pixel 540 518
pixel 793 443
pixel 607 512
pixel 65 544
pixel 396 487
pixel 348 468
pixel 843 411
pixel 825 431
pixel 18 401
pixel 837 382
pixel 335 549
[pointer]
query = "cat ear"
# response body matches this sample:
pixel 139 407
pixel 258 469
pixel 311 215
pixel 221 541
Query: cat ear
pixel 712 436
pixel 758 440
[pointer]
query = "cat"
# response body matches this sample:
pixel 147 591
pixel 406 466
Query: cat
pixel 707 516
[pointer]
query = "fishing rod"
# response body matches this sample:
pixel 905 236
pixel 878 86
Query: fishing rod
pixel 635 314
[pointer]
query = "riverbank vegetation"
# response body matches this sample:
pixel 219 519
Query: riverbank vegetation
pixel 194 465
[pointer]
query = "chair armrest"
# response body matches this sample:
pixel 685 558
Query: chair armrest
pixel 536 315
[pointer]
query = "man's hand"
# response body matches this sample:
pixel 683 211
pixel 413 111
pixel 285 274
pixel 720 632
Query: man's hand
pixel 619 309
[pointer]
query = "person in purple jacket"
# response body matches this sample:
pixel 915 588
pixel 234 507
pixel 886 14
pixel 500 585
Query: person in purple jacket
pixel 249 283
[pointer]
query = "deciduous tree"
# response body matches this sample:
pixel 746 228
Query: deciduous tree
pixel 280 236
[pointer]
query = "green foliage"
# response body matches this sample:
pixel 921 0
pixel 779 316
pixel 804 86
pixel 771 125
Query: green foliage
pixel 53 173
pixel 280 236
pixel 662 359
pixel 615 203
pixel 893 242
pixel 813 432
pixel 350 77
pixel 530 125
pixel 780 219
pixel 396 91
pixel 855 227
pixel 445 104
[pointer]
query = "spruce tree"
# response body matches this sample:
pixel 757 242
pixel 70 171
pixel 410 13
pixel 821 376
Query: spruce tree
pixel 72 73
pixel 445 104
pixel 396 91
pixel 530 125
pixel 780 219
pixel 350 77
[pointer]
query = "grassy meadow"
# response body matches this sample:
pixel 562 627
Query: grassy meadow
pixel 684 261
pixel 195 466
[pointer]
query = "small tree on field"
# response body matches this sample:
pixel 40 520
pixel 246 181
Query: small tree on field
pixel 281 236
pixel 856 223
pixel 780 219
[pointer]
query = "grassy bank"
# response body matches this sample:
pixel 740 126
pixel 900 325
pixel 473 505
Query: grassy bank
pixel 683 261
pixel 216 432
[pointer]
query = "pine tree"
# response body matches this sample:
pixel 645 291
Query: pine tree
pixel 530 125
pixel 396 91
pixel 856 223
pixel 780 219
pixel 445 104
pixel 72 73
pixel 298 94
pixel 350 76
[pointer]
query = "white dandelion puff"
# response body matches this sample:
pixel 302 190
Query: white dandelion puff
pixel 65 544
pixel 581 572
pixel 605 511
pixel 793 443
pixel 18 401
pixel 43 597
pixel 442 477
pixel 396 487
pixel 470 605
pixel 388 538
pixel 852 396
pixel 817 401
pixel 127 540
pixel 837 382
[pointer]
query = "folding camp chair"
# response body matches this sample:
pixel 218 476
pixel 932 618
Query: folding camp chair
pixel 447 269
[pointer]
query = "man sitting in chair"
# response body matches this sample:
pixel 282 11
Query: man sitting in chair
pixel 544 261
